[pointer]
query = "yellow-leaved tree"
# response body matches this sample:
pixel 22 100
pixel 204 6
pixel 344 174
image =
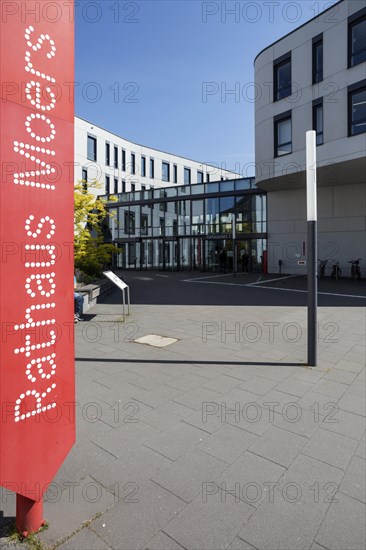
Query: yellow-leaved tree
pixel 91 253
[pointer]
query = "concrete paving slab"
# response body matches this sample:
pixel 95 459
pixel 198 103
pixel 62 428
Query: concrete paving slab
pixel 354 481
pixel 310 481
pixel 127 474
pixel 185 476
pixel 252 478
pixel 240 544
pixel 84 539
pixel 210 521
pixel 353 403
pixel 161 541
pixel 279 445
pixel 361 448
pixel 131 526
pixel 75 504
pixel 176 440
pixel 344 525
pixel 227 443
pixel 345 423
pixel 332 448
pixel 282 525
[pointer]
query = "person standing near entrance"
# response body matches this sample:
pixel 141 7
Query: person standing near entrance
pixel 245 262
pixel 78 304
pixel 222 259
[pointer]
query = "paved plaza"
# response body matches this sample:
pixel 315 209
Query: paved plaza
pixel 223 439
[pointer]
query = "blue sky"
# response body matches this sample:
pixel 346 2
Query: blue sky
pixel 159 72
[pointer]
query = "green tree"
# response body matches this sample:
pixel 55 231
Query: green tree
pixel 91 254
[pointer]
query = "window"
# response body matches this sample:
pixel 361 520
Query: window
pixel 208 178
pixel 133 187
pixel 357 38
pixel 123 160
pixel 144 224
pixel 187 176
pixel 318 120
pixel 133 163
pixel 129 223
pixel 318 59
pixel 92 148
pixel 175 173
pixel 107 154
pixel 162 226
pixel 282 134
pixel 199 177
pixel 107 185
pixel 282 77
pixel 357 108
pixel 165 171
pixel 152 171
pixel 116 157
pixel 143 167
pixel 123 186
pixel 84 177
pixel 115 190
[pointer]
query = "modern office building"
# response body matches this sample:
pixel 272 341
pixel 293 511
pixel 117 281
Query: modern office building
pixel 208 226
pixel 122 166
pixel 318 82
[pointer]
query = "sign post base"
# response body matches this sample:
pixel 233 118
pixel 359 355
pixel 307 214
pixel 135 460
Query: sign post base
pixel 29 515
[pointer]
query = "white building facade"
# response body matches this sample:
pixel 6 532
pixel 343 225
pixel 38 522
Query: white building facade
pixel 314 79
pixel 121 166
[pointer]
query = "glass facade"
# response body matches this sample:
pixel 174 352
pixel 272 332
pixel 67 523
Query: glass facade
pixel 180 228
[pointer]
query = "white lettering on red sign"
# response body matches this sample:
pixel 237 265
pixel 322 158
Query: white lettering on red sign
pixel 39 286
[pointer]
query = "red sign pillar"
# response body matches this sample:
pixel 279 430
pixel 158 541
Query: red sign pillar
pixel 37 424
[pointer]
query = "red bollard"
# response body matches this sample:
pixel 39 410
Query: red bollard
pixel 29 515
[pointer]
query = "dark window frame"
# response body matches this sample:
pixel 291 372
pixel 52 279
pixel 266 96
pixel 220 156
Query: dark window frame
pixel 175 173
pixel 107 153
pixel 276 120
pixel 115 150
pixel 115 186
pixel 84 178
pixel 107 185
pixel 277 63
pixel 129 223
pixel 133 163
pixel 144 227
pixel 317 74
pixel 353 21
pixel 152 168
pixel 166 177
pixel 202 178
pixel 319 135
pixel 189 172
pixel 143 166
pixel 123 161
pixel 351 90
pixel 93 157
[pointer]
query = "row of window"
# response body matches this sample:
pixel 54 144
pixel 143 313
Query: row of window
pixel 168 175
pixel 356 54
pixel 356 120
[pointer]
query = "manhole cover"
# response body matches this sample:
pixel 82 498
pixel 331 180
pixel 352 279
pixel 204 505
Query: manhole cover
pixel 156 340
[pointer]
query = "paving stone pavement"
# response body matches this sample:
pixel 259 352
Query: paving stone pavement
pixel 222 440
